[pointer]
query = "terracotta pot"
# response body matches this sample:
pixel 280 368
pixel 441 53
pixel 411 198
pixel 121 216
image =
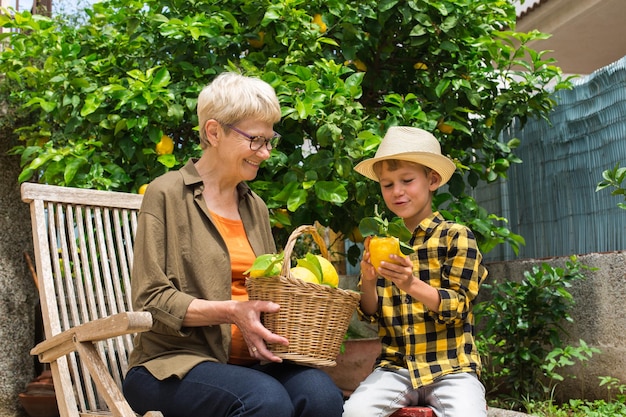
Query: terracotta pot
pixel 39 405
pixel 39 400
pixel 354 364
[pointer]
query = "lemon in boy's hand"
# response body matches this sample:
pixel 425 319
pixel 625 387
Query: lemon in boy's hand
pixel 304 274
pixel 381 247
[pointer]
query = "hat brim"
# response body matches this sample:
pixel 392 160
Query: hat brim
pixel 444 166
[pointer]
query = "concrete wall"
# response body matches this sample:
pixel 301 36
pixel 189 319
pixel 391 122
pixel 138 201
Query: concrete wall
pixel 18 295
pixel 599 318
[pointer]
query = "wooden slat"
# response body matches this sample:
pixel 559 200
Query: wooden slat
pixel 32 191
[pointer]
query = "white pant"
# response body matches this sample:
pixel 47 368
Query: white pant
pixel 384 391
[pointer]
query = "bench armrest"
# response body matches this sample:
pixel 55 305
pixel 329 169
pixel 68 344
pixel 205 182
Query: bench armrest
pixel 93 331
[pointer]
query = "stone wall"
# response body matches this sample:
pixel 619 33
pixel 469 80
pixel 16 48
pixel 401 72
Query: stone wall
pixel 599 318
pixel 18 294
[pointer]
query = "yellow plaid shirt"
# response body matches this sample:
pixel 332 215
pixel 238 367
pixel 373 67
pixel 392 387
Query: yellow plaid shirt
pixel 431 344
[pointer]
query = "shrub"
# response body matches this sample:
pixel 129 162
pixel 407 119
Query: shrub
pixel 521 336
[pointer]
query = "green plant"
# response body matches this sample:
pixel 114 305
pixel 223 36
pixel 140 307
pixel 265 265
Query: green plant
pixel 522 331
pixel 380 226
pixel 580 407
pixel 106 87
pixel 613 384
pixel 614 178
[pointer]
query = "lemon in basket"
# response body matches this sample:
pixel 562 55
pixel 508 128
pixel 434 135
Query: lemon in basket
pixel 304 274
pixel 321 267
pixel 268 265
pixel 330 276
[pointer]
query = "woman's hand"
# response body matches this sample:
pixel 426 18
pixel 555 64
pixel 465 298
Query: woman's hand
pixel 247 316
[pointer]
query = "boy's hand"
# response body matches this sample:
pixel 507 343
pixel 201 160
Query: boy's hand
pixel 368 272
pixel 399 271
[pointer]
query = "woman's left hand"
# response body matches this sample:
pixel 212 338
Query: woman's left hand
pixel 248 318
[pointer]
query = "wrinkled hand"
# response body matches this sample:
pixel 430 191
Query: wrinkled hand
pixel 247 317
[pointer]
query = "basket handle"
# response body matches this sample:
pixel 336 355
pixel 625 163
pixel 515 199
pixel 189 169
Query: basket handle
pixel 291 242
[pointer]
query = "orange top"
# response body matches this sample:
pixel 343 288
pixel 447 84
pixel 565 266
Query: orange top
pixel 241 259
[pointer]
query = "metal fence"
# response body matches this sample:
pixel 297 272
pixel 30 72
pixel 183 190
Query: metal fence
pixel 550 198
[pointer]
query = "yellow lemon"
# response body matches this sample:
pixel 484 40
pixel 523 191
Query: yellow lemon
pixel 266 265
pixel 444 127
pixel 304 274
pixel 317 19
pixel 380 249
pixel 258 43
pixel 256 273
pixel 330 276
pixel 142 189
pixel 420 66
pixel 165 146
pixel 360 65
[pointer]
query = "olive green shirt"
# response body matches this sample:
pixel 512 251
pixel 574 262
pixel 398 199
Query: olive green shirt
pixel 179 256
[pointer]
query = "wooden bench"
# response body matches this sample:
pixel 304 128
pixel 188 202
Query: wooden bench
pixel 83 243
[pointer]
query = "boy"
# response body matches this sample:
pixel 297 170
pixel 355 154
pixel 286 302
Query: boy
pixel 423 303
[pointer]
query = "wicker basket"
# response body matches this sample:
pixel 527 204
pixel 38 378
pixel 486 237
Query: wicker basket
pixel 314 318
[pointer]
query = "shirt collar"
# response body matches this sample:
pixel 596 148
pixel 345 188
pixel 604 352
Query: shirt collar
pixel 430 222
pixel 192 179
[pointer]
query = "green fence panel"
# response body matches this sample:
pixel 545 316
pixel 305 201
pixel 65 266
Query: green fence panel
pixel 550 198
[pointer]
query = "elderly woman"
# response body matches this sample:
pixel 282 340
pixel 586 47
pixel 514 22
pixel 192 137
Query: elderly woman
pixel 199 229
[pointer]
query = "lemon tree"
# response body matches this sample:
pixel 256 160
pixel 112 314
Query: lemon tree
pixel 86 104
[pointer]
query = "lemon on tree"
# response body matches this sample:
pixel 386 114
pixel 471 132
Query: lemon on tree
pixel 317 19
pixel 165 146
pixel 388 238
pixel 259 41
pixel 142 189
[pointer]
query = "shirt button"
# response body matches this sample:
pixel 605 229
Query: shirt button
pixel 407 299
pixel 409 358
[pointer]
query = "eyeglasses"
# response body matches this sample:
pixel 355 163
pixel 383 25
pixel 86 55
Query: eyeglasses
pixel 257 142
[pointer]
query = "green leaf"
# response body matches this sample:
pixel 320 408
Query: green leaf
pixel 331 191
pixel 312 263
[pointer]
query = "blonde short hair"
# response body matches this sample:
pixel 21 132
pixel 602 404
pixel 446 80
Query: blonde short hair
pixel 232 97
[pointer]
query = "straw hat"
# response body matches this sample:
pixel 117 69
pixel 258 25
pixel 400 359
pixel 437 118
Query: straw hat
pixel 409 144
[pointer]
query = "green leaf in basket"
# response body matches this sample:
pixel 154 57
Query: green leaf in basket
pixel 268 265
pixel 311 263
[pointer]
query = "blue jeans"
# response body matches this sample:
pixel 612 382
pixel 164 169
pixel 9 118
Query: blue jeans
pixel 213 389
